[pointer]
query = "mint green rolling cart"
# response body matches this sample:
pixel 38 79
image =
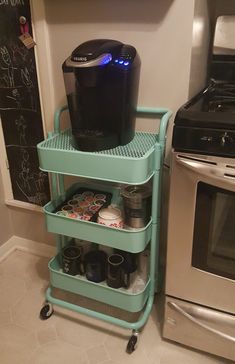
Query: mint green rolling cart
pixel 135 163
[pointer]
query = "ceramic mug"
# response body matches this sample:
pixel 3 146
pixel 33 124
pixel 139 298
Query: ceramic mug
pixel 95 265
pixel 117 276
pixel 71 260
pixel 110 216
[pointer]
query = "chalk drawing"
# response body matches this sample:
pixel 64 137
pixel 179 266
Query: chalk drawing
pixel 11 2
pixel 16 96
pixel 31 184
pixel 24 175
pixel 7 65
pixel 21 125
pixel 19 51
pixel 25 76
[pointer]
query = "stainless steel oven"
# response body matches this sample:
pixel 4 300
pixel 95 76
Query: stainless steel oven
pixel 200 276
pixel 200 273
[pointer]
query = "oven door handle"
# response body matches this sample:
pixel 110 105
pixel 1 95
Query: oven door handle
pixel 222 175
pixel 187 315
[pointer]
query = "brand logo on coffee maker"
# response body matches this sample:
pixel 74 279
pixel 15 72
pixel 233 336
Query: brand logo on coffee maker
pixel 80 59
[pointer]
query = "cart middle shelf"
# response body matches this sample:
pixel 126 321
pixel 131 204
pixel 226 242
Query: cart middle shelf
pixel 133 241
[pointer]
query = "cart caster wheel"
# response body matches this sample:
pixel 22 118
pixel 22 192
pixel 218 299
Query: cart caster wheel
pixel 46 311
pixel 132 344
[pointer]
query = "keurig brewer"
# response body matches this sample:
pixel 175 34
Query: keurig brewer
pixel 101 79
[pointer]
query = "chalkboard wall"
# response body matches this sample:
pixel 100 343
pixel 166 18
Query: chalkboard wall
pixel 20 105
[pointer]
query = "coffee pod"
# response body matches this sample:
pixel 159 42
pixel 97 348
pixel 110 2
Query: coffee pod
pixel 67 208
pixel 73 202
pixel 87 193
pixel 100 196
pixel 78 196
pixel 62 213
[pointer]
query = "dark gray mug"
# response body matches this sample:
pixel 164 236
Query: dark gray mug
pixel 117 276
pixel 72 260
pixel 95 263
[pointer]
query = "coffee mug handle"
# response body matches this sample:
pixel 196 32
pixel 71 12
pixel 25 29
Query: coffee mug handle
pixel 126 280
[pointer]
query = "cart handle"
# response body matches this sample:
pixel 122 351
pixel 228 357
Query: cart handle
pixel 150 112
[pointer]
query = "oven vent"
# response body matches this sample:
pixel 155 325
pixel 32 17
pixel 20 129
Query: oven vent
pixel 229 166
pixel 229 175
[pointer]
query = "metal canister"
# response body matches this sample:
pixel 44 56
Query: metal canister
pixel 137 205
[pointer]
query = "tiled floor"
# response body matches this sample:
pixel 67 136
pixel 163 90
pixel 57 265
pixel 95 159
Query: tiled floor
pixel 68 337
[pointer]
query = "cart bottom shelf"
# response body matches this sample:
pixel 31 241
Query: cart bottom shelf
pixel 122 298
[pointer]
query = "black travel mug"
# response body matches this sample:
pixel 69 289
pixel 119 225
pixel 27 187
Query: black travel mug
pixel 95 263
pixel 117 276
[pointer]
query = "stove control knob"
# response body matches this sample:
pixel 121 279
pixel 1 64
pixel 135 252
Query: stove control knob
pixel 226 139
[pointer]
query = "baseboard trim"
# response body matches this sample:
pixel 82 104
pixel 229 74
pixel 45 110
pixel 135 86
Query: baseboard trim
pixel 26 245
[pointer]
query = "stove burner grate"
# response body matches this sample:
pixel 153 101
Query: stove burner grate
pixel 221 97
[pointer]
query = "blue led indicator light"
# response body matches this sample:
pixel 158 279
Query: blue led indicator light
pixel 107 59
pixel 120 62
pixel 126 63
pixel 116 61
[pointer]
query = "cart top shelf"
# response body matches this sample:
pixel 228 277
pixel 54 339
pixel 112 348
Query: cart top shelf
pixel 133 163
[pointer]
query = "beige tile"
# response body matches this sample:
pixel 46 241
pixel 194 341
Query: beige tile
pixel 26 312
pixel 116 348
pixel 5 317
pixel 32 268
pixel 97 355
pixel 46 335
pixel 17 263
pixel 16 344
pixel 58 352
pixel 37 273
pixel 80 330
pixel 110 362
pixel 12 289
pixel 150 339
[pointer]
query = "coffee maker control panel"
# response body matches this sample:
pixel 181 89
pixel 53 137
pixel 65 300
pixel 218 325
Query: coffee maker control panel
pixel 126 56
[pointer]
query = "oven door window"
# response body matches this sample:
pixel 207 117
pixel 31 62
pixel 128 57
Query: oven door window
pixel 214 231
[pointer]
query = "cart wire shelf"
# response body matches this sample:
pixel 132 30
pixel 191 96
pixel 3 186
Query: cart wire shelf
pixel 137 148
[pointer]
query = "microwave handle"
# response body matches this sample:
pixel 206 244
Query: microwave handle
pixel 187 315
pixel 208 170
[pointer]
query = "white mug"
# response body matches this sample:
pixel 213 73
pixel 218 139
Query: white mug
pixel 111 216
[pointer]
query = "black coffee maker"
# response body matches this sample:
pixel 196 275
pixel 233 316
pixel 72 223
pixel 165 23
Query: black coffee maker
pixel 101 79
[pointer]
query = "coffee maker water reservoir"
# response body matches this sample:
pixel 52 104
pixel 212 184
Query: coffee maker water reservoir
pixel 101 79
